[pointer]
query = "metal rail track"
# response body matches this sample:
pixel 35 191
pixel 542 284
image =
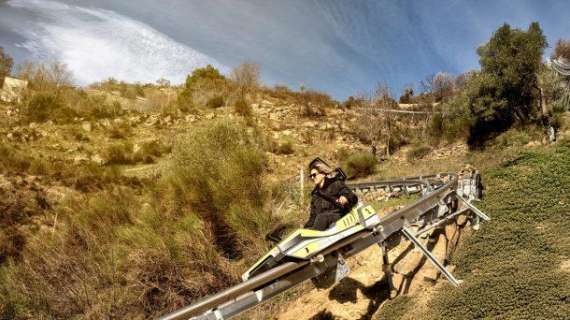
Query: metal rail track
pixel 444 197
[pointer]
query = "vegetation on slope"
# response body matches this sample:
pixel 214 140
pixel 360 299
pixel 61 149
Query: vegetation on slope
pixel 516 266
pixel 122 252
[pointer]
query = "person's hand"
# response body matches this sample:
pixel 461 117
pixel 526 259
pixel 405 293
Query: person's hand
pixel 342 200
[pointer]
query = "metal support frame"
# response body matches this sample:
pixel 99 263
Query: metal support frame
pixel 478 213
pixel 236 299
pixel 387 269
pixel 430 257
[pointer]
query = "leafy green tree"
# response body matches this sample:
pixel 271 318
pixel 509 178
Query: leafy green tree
pixel 505 91
pixel 6 64
pixel 207 73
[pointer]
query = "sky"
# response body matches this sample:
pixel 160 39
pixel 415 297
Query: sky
pixel 342 47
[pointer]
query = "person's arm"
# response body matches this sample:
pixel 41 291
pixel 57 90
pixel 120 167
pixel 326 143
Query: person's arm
pixel 341 190
pixel 312 217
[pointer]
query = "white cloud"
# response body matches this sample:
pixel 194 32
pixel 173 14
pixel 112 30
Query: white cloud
pixel 97 44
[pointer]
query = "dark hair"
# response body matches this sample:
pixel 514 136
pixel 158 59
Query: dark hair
pixel 321 166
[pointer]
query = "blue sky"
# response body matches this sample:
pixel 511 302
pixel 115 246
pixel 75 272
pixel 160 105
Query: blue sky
pixel 339 46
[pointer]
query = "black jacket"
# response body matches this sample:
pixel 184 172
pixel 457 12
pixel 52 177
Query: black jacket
pixel 323 200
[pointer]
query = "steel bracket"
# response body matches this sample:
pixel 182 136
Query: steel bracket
pixel 430 257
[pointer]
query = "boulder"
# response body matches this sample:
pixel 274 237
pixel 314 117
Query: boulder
pixel 86 126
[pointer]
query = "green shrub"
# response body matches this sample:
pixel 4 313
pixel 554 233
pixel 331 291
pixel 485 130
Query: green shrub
pixel 118 153
pixel 215 102
pixel 217 170
pixel 504 93
pixel 360 164
pixel 418 152
pixel 42 107
pixel 119 130
pixel 13 160
pixel 242 108
pixel 285 147
pixel 342 154
pixel 184 101
pixel 208 73
pixel 150 150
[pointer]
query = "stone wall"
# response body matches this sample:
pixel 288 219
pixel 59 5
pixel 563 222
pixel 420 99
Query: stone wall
pixel 13 90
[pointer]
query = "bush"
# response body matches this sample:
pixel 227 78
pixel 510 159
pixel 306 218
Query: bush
pixel 118 153
pixel 13 160
pixel 223 166
pixel 119 130
pixel 505 91
pixel 150 150
pixel 41 107
pixel 215 102
pixel 562 49
pixel 517 137
pixel 285 147
pixel 360 164
pixel 418 152
pixel 242 108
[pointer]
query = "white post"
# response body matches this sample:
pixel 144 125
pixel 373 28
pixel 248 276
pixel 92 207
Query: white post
pixel 302 185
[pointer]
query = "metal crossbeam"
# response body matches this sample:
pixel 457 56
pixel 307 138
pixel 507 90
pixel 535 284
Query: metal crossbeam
pixel 430 256
pixel 478 212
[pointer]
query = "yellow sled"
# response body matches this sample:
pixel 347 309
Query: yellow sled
pixel 303 244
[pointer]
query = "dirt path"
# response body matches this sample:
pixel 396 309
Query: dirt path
pixel 356 297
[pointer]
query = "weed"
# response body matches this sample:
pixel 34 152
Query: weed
pixel 418 152
pixel 360 164
pixel 242 108
pixel 215 102
pixel 118 153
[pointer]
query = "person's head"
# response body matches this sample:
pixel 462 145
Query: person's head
pixel 318 170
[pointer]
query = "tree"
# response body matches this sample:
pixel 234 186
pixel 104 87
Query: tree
pixel 206 73
pixel 506 90
pixel 562 49
pixel 6 64
pixel 246 76
pixel 46 77
pixel 406 97
pixel 442 86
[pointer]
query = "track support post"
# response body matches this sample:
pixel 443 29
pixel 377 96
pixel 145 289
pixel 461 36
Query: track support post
pixel 478 213
pixel 387 269
pixel 430 257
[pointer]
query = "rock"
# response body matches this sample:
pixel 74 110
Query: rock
pixel 119 121
pixel 462 219
pixel 450 230
pixel 398 281
pixel 190 118
pixel 86 126
pixel 105 123
pixel 80 158
pixel 97 159
pixel 430 272
pixel 152 120
pixel 134 120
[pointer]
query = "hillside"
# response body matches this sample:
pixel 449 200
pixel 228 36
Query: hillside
pixel 106 211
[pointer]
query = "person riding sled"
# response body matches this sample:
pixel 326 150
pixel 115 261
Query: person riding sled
pixel 331 199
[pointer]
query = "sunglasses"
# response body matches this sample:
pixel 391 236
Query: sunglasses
pixel 313 175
